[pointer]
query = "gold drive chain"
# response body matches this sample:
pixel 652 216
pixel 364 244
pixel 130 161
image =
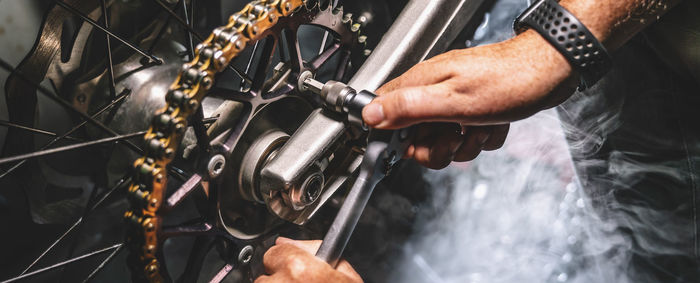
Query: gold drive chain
pixel 148 186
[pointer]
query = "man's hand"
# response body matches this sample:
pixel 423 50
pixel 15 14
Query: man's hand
pixel 482 88
pixel 292 261
pixel 485 88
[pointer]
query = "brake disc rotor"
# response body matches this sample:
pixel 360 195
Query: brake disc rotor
pixel 59 56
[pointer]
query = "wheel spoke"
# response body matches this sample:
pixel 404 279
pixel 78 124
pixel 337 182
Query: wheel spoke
pixel 110 63
pixel 121 97
pixel 164 27
pixel 57 99
pixel 124 180
pixel 250 63
pixel 103 264
pixel 36 131
pixel 178 173
pixel 108 32
pixel 41 153
pixel 188 35
pixel 192 5
pixel 190 30
pixel 183 23
pixel 241 74
pixel 80 220
pixel 63 263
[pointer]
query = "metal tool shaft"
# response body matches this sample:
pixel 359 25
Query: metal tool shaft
pixel 344 223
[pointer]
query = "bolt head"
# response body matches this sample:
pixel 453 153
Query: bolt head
pixel 246 254
pixel 216 165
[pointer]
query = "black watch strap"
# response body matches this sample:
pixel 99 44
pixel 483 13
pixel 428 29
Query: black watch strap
pixel 570 37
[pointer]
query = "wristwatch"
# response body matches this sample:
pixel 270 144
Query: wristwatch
pixel 569 36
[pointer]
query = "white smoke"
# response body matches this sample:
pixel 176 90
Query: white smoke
pixel 514 215
pixel 517 214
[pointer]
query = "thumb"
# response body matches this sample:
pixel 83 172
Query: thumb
pixel 412 105
pixel 310 246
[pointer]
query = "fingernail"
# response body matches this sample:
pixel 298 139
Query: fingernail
pixel 440 157
pixel 373 114
pixel 283 240
pixel 409 151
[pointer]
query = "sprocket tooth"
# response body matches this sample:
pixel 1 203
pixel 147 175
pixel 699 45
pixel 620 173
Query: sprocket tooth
pixel 347 18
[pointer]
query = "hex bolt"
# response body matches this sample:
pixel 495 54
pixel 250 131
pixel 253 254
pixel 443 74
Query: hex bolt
pixel 216 165
pixel 307 82
pixel 246 254
pixel 311 189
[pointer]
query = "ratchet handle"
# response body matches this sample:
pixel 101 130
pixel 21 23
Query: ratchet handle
pixel 345 221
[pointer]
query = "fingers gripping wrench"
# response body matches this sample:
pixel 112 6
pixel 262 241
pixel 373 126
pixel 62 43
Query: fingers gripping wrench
pixel 384 149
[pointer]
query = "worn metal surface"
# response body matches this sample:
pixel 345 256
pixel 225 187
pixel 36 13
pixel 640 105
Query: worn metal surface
pixel 299 159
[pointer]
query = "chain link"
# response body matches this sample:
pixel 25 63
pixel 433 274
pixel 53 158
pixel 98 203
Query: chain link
pixel 148 186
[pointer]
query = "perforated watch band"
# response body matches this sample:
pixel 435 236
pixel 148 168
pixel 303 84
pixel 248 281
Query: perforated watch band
pixel 570 37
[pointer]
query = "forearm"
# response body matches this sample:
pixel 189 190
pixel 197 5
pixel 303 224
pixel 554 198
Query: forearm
pixel 614 22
